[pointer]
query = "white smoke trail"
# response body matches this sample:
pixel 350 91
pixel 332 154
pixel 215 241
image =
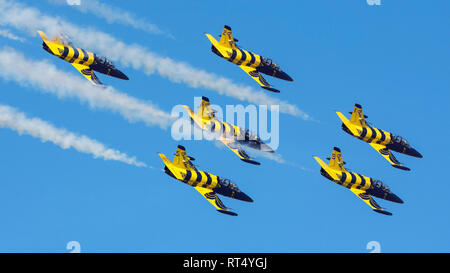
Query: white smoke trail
pixel 7 34
pixel 30 19
pixel 47 78
pixel 35 127
pixel 114 15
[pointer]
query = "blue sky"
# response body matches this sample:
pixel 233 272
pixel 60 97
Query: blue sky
pixel 393 59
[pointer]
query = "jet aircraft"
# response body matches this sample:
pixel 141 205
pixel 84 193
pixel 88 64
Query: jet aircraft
pixel 380 140
pixel 364 187
pixel 230 135
pixel 84 61
pixel 253 64
pixel 207 184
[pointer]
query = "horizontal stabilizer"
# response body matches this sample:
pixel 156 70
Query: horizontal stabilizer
pixel 383 212
pixel 250 161
pixel 271 89
pixel 227 212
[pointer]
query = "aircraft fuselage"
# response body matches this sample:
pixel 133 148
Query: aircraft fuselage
pixel 358 181
pixel 373 135
pixel 196 178
pixel 240 56
pixel 229 130
pixel 81 56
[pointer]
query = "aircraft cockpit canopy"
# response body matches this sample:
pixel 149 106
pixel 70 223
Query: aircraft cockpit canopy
pixel 227 183
pixel 380 185
pixel 250 136
pixel 103 60
pixel 270 63
pixel 399 139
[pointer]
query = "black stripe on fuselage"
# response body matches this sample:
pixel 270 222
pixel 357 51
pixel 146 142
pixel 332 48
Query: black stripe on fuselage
pixel 208 179
pixel 353 181
pixel 383 136
pixel 188 176
pixel 364 133
pixel 363 181
pixel 86 56
pixel 233 56
pixel 199 178
pixel 243 57
pixel 343 178
pixel 373 136
pixel 76 53
pixel 253 59
pixel 66 51
pixel 213 127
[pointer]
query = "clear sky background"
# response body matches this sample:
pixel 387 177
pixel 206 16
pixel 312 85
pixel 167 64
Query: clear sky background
pixel 393 59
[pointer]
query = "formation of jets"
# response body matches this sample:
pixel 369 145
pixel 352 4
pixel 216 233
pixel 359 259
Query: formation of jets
pixel 234 137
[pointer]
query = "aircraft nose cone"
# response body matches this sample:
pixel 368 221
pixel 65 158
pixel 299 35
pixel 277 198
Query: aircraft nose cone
pixel 415 153
pixel 284 76
pixel 118 74
pixel 259 145
pixel 243 197
pixel 395 198
pixel 266 148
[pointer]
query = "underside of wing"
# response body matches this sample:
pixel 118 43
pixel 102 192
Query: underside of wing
pixel 369 201
pixel 212 197
pixel 252 72
pixel 387 154
pixel 88 73
pixel 237 149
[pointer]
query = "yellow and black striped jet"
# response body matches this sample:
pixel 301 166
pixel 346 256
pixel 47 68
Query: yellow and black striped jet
pixel 84 61
pixel 253 64
pixel 230 135
pixel 380 140
pixel 364 187
pixel 206 184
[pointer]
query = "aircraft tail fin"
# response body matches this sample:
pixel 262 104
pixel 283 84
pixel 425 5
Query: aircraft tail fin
pixel 204 110
pixel 357 116
pixel 43 36
pixel 226 39
pixel 336 161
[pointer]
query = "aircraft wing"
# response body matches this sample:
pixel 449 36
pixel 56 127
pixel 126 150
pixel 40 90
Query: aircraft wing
pixel 252 72
pixel 88 73
pixel 237 149
pixel 212 197
pixel 369 201
pixel 387 154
